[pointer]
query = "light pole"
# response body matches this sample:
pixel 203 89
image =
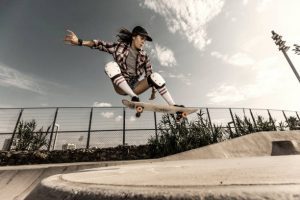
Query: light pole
pixel 281 45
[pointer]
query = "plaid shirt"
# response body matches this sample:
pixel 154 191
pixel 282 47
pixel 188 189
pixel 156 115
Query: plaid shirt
pixel 120 51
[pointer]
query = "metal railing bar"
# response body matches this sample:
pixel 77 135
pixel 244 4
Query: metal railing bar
pixel 89 107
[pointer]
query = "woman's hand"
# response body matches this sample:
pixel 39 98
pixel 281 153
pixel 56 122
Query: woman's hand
pixel 71 38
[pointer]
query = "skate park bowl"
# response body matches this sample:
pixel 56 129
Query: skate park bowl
pixel 262 165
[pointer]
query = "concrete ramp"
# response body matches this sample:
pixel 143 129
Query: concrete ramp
pixel 16 182
pixel 246 168
pixel 256 144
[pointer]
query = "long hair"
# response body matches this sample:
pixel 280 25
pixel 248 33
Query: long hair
pixel 125 36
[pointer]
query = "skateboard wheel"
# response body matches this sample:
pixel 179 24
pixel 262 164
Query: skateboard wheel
pixel 138 114
pixel 184 114
pixel 139 109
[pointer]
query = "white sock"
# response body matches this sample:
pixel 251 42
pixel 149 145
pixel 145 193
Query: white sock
pixel 166 95
pixel 122 83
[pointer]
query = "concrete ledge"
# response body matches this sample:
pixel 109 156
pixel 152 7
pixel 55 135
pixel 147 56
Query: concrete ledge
pixel 238 178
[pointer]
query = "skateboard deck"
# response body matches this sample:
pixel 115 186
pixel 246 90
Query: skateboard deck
pixel 142 106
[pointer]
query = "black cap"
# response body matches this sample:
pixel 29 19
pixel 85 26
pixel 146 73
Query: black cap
pixel 138 30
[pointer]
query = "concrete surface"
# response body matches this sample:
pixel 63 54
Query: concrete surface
pixel 242 168
pixel 237 178
pixel 255 144
pixel 16 182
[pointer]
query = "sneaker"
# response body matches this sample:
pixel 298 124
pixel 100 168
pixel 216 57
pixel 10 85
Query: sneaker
pixel 135 99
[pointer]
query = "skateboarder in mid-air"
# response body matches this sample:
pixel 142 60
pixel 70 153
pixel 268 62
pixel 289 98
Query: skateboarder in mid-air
pixel 130 63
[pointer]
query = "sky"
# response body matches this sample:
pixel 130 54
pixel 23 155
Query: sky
pixel 212 53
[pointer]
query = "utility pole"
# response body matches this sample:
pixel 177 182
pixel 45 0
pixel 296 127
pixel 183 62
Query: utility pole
pixel 282 47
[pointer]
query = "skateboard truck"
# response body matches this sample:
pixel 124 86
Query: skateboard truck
pixel 180 115
pixel 139 110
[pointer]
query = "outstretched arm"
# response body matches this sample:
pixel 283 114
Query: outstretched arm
pixel 72 39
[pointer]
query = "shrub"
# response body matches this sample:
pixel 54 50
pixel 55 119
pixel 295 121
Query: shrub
pixel 174 138
pixel 293 123
pixel 28 138
pixel 265 125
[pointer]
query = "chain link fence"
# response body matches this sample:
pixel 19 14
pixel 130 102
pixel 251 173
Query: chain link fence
pixel 89 127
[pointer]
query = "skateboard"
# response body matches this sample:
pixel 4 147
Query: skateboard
pixel 182 112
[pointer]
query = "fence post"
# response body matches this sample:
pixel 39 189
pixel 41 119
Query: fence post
pixel 271 120
pixel 297 115
pixel 253 119
pixel 55 138
pixel 209 120
pixel 155 125
pixel 15 129
pixel 89 131
pixel 286 119
pixel 124 124
pixel 233 120
pixel 53 124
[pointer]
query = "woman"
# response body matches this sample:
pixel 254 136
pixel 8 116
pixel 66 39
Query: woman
pixel 130 62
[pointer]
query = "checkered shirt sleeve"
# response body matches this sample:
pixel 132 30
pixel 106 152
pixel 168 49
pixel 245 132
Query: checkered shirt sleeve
pixel 148 67
pixel 109 47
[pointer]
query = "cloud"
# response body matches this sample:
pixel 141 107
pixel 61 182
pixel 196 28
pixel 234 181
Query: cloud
pixel 262 5
pixel 233 19
pixel 252 43
pixel 187 18
pixel 184 78
pixel 107 115
pixel 118 118
pixel 166 58
pixel 245 2
pixel 271 78
pixel 101 104
pixel 10 77
pixel 164 55
pixel 219 55
pixel 132 119
pixel 226 93
pixel 238 59
pixel 241 59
